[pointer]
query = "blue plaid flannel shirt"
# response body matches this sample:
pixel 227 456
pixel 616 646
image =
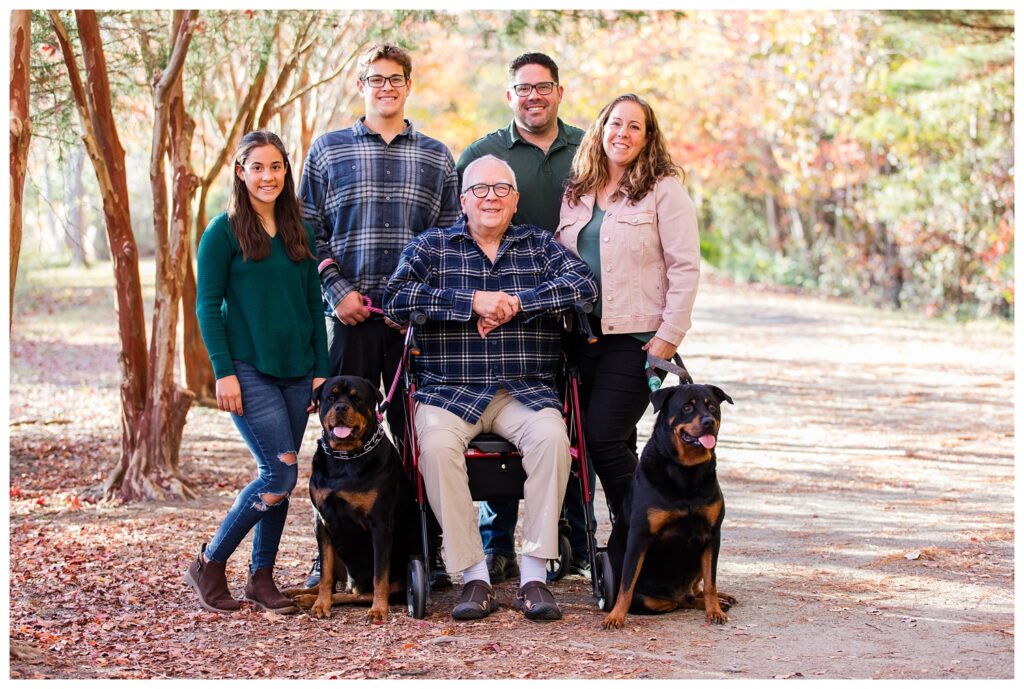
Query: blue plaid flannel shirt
pixel 460 371
pixel 366 199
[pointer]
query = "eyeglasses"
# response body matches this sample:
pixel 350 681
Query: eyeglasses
pixel 544 88
pixel 501 190
pixel 376 80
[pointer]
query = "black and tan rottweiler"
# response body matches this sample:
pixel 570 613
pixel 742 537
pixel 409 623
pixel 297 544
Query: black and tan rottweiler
pixel 669 531
pixel 366 526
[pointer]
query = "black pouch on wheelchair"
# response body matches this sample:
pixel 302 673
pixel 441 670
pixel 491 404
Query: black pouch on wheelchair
pixel 499 476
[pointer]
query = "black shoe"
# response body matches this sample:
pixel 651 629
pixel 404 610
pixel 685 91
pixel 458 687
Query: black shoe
pixel 313 580
pixel 580 566
pixel 439 578
pixel 535 601
pixel 501 567
pixel 476 602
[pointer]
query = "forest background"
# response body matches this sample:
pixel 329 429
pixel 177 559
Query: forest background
pixel 869 462
pixel 855 153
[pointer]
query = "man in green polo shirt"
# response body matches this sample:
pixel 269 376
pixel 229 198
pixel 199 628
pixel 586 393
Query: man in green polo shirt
pixel 539 147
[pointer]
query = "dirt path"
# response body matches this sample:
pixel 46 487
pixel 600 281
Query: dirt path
pixel 867 468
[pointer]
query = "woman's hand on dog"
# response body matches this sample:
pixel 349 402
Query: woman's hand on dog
pixel 660 348
pixel 229 394
pixel 317 382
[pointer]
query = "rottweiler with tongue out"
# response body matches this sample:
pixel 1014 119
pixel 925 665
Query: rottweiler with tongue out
pixel 366 526
pixel 664 546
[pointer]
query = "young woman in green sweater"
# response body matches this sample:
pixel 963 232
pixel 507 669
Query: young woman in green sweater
pixel 262 319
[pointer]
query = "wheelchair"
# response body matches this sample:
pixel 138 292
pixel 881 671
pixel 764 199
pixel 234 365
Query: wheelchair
pixel 495 470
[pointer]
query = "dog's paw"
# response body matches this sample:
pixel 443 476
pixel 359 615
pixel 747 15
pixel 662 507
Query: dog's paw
pixel 304 600
pixel 613 621
pixel 726 601
pixel 716 617
pixel 377 615
pixel 298 591
pixel 321 609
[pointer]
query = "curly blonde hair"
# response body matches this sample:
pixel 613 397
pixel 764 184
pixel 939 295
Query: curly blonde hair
pixel 590 165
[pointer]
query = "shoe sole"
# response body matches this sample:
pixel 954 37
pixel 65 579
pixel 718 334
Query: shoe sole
pixel 543 615
pixel 277 611
pixel 195 587
pixel 475 614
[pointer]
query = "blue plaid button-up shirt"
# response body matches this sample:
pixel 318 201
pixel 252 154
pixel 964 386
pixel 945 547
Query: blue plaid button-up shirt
pixel 366 199
pixel 460 371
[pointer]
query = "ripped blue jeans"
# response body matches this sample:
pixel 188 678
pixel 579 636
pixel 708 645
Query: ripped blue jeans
pixel 273 422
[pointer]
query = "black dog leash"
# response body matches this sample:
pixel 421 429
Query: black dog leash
pixel 678 368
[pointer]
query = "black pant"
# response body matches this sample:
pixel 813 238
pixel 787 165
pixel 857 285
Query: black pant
pixel 614 396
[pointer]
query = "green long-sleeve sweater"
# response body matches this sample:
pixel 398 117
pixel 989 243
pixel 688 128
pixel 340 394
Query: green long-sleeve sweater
pixel 267 313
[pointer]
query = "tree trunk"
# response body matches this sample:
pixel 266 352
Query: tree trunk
pixel 107 156
pixel 153 472
pixel 74 233
pixel 21 135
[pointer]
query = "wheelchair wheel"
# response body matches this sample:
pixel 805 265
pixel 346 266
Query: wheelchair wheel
pixel 416 589
pixel 560 567
pixel 605 582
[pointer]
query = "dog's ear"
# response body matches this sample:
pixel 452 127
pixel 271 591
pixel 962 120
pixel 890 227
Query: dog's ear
pixel 659 396
pixel 722 397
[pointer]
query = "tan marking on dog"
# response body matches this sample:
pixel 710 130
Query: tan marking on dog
pixel 617 617
pixel 658 519
pixel 689 455
pixel 319 495
pixel 321 608
pixel 712 608
pixel 712 512
pixel 657 604
pixel 361 502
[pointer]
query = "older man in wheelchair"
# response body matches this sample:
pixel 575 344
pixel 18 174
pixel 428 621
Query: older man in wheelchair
pixel 493 295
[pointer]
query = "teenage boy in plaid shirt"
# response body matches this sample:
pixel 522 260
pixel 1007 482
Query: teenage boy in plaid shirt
pixel 367 190
pixel 493 294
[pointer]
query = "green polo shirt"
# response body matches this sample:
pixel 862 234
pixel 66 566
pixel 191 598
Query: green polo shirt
pixel 540 177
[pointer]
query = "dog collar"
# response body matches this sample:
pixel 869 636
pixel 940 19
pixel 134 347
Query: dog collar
pixel 343 455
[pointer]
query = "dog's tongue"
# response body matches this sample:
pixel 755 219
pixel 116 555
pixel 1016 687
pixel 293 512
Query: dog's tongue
pixel 708 441
pixel 342 431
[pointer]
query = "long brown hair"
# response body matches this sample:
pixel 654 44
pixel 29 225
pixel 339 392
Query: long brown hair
pixel 246 222
pixel 590 165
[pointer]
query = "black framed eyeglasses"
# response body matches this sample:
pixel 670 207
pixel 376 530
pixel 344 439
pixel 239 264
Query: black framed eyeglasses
pixel 544 88
pixel 377 80
pixel 501 190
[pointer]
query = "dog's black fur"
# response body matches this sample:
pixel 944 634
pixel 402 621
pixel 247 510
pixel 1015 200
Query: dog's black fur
pixel 668 534
pixel 366 526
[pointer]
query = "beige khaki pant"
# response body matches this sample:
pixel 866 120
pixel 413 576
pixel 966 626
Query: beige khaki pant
pixel 541 438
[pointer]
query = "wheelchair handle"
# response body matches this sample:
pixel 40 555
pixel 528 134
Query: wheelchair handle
pixel 415 318
pixel 582 309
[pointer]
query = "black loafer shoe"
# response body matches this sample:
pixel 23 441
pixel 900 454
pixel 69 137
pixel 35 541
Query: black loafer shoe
pixel 536 602
pixel 476 602
pixel 501 567
pixel 439 578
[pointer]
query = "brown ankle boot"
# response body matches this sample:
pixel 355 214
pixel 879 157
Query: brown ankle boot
pixel 208 581
pixel 261 590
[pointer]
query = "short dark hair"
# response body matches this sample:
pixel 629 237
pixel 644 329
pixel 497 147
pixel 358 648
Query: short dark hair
pixel 384 51
pixel 533 59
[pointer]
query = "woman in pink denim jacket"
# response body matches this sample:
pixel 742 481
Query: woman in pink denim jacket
pixel 628 216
